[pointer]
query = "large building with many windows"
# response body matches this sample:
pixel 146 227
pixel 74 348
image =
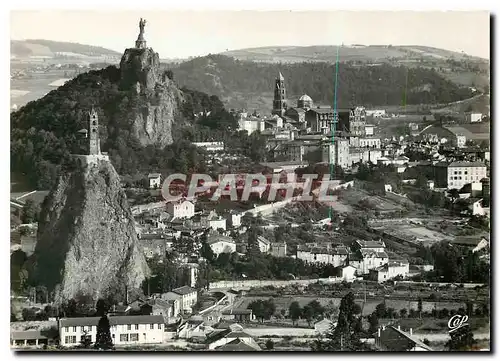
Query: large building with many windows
pixel 125 330
pixel 462 173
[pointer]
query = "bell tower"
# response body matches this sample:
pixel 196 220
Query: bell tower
pixel 94 142
pixel 279 102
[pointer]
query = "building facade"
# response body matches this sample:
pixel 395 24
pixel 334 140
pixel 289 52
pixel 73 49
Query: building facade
pixel 125 330
pixel 462 173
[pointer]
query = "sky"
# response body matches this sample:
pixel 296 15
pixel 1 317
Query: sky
pixel 180 34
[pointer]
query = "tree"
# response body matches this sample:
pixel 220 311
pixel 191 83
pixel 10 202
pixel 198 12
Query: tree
pixel 420 307
pixel 86 340
pixel 403 312
pixel 462 339
pixel 308 314
pixel 103 336
pixel 30 212
pixel 269 344
pixel 29 314
pixel 373 321
pixel 262 309
pixel 345 336
pixel 295 311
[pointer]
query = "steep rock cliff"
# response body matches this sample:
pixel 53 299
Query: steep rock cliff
pixel 159 97
pixel 86 237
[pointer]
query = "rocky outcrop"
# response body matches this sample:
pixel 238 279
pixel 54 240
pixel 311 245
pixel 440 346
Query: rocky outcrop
pixel 159 98
pixel 87 242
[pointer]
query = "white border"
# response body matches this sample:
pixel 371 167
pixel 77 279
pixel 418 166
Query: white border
pixel 391 5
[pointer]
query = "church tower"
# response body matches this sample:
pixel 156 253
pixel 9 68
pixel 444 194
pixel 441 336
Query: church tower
pixel 94 142
pixel 279 102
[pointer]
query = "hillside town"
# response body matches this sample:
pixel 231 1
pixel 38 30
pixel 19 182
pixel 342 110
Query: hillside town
pixel 403 241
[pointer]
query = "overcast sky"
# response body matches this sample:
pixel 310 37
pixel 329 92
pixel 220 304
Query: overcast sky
pixel 183 33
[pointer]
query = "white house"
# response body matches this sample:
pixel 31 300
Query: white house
pixel 189 297
pixel 222 337
pixel 176 301
pixel 221 244
pixel 372 259
pixel 389 271
pixel 264 244
pixel 125 330
pixel 472 117
pixel 217 223
pixel 347 273
pixel 154 180
pixel 478 209
pixel 322 327
pixel 180 209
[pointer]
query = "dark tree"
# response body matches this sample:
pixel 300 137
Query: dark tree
pixel 269 344
pixel 346 335
pixel 461 339
pixel 295 311
pixel 373 321
pixel 103 337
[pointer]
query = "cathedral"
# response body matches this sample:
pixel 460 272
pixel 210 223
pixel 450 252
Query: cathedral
pixel 339 134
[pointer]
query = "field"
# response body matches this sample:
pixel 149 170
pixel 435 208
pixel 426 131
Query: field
pixel 283 303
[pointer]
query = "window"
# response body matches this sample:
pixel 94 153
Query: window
pixel 136 327
pixel 129 327
pixel 66 329
pixel 70 339
pixel 465 172
pixel 455 172
pixel 113 335
pixel 82 329
pixel 134 337
pixel 151 326
pixel 74 329
pixel 124 337
pixel 159 326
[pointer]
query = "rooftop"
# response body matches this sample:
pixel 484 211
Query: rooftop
pixel 467 164
pixel 184 290
pixel 113 320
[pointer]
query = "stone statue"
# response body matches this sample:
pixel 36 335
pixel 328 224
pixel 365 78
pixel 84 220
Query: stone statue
pixel 142 23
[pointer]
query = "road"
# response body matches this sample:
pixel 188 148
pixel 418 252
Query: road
pixel 436 337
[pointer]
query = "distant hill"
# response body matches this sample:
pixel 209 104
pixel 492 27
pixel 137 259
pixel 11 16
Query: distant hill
pixel 369 53
pixel 49 48
pixel 246 84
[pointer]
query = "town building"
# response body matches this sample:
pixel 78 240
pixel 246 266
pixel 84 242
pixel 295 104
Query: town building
pixel 473 117
pixel 235 332
pixel 278 249
pixel 279 102
pixel 33 338
pixel 210 146
pixel 347 272
pixel 389 271
pixel 221 244
pixel 394 339
pixel 154 180
pixel 180 209
pixel 264 244
pixel 125 330
pixel 189 297
pixel 462 173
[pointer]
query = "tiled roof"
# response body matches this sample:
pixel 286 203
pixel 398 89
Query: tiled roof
pixel 184 290
pixel 467 164
pixel 113 320
pixel 239 345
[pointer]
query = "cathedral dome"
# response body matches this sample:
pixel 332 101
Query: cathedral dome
pixel 304 102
